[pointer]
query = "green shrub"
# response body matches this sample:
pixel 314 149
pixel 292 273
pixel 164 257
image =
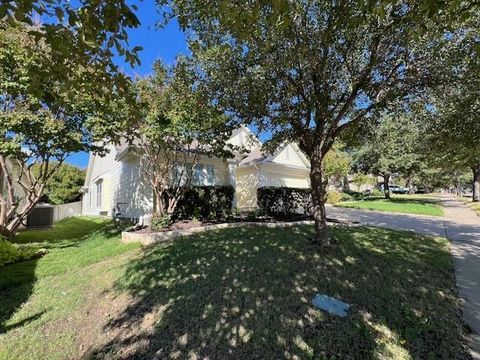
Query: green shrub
pixel 202 202
pixel 357 196
pixel 333 197
pixel 160 222
pixel 346 197
pixel 283 202
pixel 10 253
pixel 377 192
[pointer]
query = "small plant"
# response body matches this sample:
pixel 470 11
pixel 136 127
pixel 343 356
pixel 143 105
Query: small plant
pixel 253 214
pixel 212 216
pixel 376 193
pixel 10 253
pixel 236 212
pixel 346 197
pixel 357 196
pixel 333 197
pixel 160 222
pixel 196 214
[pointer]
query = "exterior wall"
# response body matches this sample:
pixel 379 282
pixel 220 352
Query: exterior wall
pixel 289 156
pixel 292 180
pixel 278 175
pixel 250 178
pixel 221 170
pixel 247 181
pixel 125 192
pixel 244 138
pixel 129 195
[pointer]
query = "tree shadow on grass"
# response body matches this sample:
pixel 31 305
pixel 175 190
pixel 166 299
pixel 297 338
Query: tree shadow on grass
pixel 246 293
pixel 16 286
pixel 17 280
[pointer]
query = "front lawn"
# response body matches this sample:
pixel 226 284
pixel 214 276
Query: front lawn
pixel 408 204
pixel 475 206
pixel 238 293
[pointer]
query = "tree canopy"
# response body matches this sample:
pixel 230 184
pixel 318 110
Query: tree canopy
pixel 178 124
pixel 64 185
pixel 52 104
pixel 308 70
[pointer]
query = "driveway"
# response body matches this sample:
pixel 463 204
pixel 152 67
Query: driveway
pixel 461 226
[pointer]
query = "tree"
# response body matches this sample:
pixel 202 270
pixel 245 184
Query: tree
pixel 64 185
pixel 308 70
pixel 178 125
pixel 390 149
pixel 90 29
pixel 336 165
pixel 52 104
pixel 453 107
pixel 360 179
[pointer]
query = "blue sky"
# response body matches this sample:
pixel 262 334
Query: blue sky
pixel 165 44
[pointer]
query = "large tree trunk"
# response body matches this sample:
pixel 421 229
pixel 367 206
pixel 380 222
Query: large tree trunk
pixel 386 186
pixel 158 202
pixel 410 184
pixel 322 236
pixel 476 183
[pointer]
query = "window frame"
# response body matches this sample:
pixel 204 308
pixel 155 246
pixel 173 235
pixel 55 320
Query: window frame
pixel 99 194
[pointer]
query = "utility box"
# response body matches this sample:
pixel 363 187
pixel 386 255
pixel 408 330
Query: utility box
pixel 41 216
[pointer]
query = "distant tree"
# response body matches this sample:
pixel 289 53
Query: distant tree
pixel 308 70
pixel 336 164
pixel 52 104
pixel 177 127
pixel 389 149
pixel 64 185
pixel 453 107
pixel 360 179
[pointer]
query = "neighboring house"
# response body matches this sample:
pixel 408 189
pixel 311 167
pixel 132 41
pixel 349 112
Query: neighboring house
pixel 114 184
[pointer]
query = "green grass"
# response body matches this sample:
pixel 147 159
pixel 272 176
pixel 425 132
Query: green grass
pixel 238 293
pixel 475 206
pixel 36 294
pixel 72 229
pixel 408 204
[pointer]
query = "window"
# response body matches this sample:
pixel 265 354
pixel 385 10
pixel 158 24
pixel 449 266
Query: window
pixel 99 193
pixel 181 173
pixel 201 174
pixel 198 175
pixel 210 175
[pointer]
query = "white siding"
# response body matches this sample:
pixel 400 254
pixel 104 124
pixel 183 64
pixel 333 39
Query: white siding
pixel 289 156
pixel 125 192
pixel 123 188
pixel 244 139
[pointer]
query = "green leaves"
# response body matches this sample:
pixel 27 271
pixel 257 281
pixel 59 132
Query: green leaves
pixel 91 24
pixel 176 111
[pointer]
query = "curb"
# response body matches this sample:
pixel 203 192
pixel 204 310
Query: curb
pixel 152 238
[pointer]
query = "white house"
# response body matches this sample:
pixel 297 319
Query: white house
pixel 114 183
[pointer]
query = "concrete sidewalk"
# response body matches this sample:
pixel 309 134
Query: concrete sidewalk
pixel 420 224
pixel 462 227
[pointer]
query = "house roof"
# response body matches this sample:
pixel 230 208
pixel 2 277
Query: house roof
pixel 258 155
pixel 255 156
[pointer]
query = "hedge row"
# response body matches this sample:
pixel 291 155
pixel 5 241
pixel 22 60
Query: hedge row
pixel 205 202
pixel 283 202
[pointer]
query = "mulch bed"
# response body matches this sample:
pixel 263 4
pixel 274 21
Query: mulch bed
pixel 189 224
